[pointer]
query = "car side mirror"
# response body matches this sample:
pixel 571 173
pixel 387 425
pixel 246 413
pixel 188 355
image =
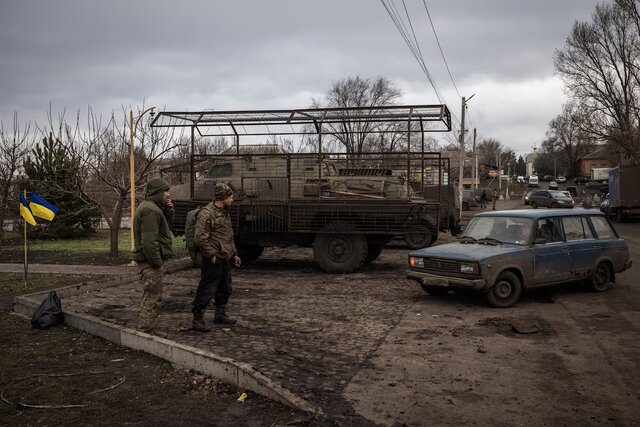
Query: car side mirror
pixel 539 241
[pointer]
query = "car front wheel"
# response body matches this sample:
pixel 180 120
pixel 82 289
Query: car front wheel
pixel 534 205
pixel 601 278
pixel 506 291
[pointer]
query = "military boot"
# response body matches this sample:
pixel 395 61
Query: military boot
pixel 198 322
pixel 221 316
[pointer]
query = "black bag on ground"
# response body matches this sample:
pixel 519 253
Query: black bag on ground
pixel 49 313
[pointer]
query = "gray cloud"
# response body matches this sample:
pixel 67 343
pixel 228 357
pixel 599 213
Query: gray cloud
pixel 278 54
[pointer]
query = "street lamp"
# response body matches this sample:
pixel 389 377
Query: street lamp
pixel 133 124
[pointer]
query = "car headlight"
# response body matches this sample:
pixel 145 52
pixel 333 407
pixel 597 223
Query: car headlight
pixel 416 262
pixel 469 267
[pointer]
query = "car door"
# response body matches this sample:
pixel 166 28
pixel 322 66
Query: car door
pixel 551 259
pixel 584 248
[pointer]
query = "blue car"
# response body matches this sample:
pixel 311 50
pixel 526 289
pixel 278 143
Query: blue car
pixel 503 252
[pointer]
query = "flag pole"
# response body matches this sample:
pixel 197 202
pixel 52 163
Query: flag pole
pixel 26 264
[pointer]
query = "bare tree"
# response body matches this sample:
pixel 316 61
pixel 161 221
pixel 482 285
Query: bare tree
pixel 568 139
pixel 358 92
pixel 14 146
pixel 488 151
pixel 600 66
pixel 105 151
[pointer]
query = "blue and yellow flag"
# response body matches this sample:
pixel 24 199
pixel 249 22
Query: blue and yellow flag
pixel 25 212
pixel 41 208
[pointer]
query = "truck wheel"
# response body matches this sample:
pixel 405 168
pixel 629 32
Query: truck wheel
pixel 506 291
pixel 601 278
pixel 373 252
pixel 340 248
pixel 249 253
pixel 417 234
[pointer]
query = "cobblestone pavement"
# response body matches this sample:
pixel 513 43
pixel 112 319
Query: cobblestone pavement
pixel 305 329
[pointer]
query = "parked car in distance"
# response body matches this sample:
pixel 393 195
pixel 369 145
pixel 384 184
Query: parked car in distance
pixel 547 178
pixel 553 185
pixel 561 180
pixel 520 179
pixel 533 181
pixel 501 253
pixel 468 199
pixel 599 187
pixel 581 180
pixel 550 199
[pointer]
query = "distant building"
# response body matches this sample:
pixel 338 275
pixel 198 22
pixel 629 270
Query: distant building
pixel 598 158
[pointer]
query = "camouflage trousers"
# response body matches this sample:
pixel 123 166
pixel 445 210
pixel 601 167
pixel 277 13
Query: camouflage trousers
pixel 151 296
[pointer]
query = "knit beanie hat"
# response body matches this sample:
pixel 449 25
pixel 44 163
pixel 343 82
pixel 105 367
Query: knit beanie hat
pixel 222 191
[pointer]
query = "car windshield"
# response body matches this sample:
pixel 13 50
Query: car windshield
pixel 498 229
pixel 558 194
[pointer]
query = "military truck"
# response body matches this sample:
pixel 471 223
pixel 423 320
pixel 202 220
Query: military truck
pixel 346 206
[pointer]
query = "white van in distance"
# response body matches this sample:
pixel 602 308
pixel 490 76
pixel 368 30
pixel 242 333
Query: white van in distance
pixel 533 181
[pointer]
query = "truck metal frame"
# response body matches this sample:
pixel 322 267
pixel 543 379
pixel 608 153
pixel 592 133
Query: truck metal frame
pixel 346 205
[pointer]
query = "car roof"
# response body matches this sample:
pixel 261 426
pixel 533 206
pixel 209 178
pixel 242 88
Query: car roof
pixel 536 213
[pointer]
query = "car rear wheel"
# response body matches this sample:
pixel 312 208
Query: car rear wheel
pixel 534 205
pixel 601 278
pixel 506 291
pixel 435 291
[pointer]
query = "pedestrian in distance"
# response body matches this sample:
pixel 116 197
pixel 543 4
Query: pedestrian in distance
pixel 483 200
pixel 152 246
pixel 214 238
pixel 494 198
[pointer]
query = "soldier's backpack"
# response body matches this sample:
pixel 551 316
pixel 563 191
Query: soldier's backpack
pixel 190 233
pixel 190 229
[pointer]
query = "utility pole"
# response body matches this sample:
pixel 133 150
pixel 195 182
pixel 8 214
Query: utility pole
pixel 475 161
pixel 460 186
pixel 499 173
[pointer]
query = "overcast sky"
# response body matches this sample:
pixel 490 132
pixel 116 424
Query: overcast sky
pixel 259 54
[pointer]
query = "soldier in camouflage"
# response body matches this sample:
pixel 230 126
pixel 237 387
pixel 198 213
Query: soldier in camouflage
pixel 152 246
pixel 214 238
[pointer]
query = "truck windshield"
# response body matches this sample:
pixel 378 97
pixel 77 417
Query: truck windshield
pixel 504 229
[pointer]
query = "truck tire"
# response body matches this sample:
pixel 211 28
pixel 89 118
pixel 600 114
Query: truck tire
pixel 373 252
pixel 249 253
pixel 340 248
pixel 417 234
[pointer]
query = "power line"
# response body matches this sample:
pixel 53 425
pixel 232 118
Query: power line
pixel 440 47
pixel 412 44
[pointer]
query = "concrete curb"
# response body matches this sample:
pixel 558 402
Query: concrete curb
pixel 241 375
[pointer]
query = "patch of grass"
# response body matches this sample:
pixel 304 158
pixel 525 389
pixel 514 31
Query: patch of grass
pixel 98 243
pixel 13 283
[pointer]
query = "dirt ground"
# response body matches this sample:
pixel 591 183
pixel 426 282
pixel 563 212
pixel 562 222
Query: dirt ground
pixel 62 366
pixel 369 348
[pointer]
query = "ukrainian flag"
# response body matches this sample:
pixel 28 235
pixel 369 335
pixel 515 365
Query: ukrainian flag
pixel 25 212
pixel 41 208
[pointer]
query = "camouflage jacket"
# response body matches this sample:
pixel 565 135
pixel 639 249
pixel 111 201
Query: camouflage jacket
pixel 214 233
